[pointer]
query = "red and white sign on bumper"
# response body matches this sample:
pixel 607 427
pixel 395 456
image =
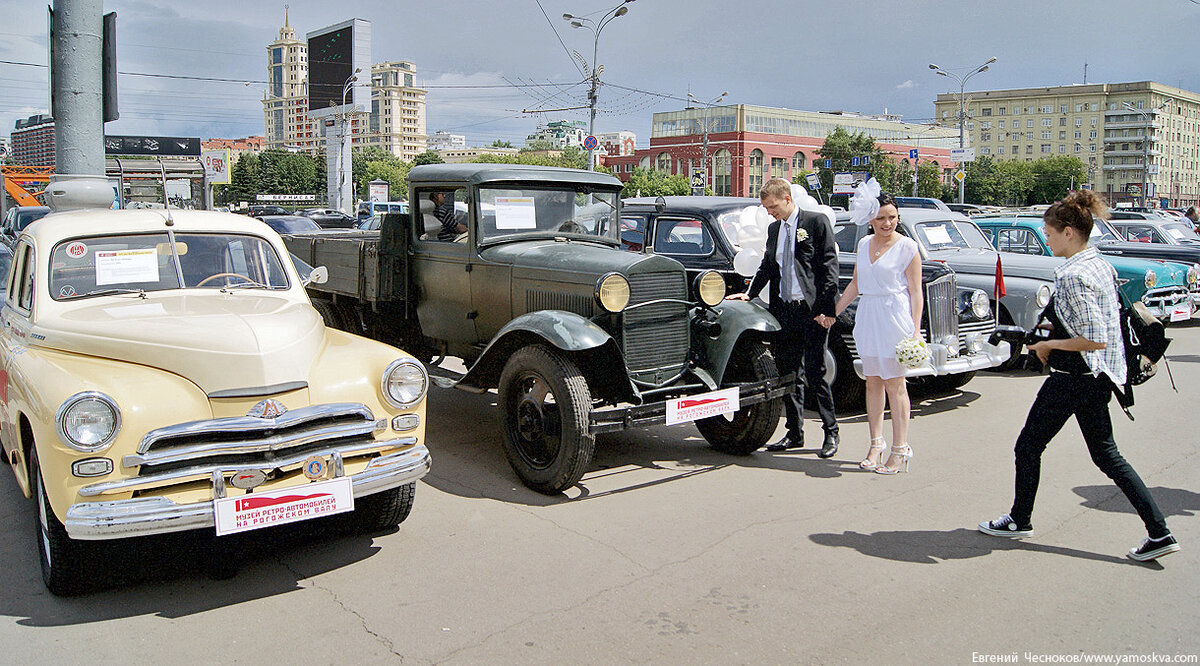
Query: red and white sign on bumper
pixel 286 505
pixel 693 407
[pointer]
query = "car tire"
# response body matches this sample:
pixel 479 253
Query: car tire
pixel 849 390
pixel 1017 359
pixel 748 429
pixel 383 511
pixel 548 444
pixel 68 565
pixel 328 313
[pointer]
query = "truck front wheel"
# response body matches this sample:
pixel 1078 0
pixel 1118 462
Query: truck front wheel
pixel 544 404
pixel 749 428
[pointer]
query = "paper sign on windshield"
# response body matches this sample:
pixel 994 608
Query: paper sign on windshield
pixel 126 266
pixel 937 235
pixel 515 213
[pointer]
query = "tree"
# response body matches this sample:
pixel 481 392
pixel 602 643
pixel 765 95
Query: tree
pixel 501 144
pixel 538 145
pixel 929 180
pixel 428 157
pixel 374 163
pixel 1053 177
pixel 841 146
pixel 650 183
pixel 570 158
pixel 243 181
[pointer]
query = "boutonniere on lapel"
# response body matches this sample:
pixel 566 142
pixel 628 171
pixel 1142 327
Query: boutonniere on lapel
pixel 801 235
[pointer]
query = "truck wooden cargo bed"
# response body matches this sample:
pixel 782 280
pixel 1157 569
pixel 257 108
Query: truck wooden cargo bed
pixel 352 258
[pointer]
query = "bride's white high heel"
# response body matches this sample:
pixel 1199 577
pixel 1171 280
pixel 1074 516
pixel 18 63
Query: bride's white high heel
pixel 877 444
pixel 904 451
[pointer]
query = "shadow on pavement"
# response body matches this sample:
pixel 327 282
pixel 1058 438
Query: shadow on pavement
pixel 1183 358
pixel 171 575
pixel 932 547
pixel 1171 501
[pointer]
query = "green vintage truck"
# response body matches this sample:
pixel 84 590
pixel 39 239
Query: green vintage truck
pixel 517 270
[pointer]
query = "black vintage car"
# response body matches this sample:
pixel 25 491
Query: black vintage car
pixel 957 321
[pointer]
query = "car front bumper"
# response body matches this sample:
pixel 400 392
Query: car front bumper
pixel 986 355
pixel 655 413
pixel 142 516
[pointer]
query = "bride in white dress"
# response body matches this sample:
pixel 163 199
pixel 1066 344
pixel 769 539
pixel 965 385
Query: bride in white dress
pixel 887 277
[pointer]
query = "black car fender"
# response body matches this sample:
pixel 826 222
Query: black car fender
pixel 736 320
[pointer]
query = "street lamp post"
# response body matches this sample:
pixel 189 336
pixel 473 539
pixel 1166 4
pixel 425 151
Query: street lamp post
pixel 962 111
pixel 1148 116
pixel 704 146
pixel 596 26
pixel 344 194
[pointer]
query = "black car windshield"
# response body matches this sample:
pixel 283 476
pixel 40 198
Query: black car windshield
pixel 547 212
pixel 1102 232
pixel 102 265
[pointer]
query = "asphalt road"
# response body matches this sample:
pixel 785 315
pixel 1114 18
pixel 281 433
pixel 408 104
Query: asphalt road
pixel 671 553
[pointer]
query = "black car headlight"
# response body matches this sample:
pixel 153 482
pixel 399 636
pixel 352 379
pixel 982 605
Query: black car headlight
pixel 710 288
pixel 88 421
pixel 612 292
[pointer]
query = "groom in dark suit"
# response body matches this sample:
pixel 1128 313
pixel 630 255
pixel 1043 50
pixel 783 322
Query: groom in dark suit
pixel 802 274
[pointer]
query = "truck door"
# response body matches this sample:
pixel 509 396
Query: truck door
pixel 441 264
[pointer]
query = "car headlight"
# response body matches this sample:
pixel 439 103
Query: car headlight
pixel 88 421
pixel 404 383
pixel 710 286
pixel 1193 275
pixel 981 307
pixel 612 292
pixel 1043 296
pixel 1151 279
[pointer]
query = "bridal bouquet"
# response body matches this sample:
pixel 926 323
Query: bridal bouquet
pixel 912 352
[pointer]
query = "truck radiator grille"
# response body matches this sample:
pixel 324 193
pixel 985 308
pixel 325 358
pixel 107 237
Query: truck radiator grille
pixel 539 299
pixel 655 338
pixel 262 442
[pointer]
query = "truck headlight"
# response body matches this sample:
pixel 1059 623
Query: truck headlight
pixel 1151 279
pixel 404 383
pixel 1043 296
pixel 88 421
pixel 1193 275
pixel 612 292
pixel 981 307
pixel 710 286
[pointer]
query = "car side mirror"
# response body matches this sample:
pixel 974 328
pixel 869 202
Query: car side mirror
pixel 319 275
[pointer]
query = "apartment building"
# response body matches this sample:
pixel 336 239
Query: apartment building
pixel 1134 138
pixel 33 141
pixel 397 121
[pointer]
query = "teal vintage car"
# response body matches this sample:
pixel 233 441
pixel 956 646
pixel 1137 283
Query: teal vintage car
pixel 1162 286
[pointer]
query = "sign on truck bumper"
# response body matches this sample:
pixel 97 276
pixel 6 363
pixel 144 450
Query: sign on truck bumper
pixel 655 413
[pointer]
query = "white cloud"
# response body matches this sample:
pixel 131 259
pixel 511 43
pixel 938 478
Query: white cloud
pixel 906 85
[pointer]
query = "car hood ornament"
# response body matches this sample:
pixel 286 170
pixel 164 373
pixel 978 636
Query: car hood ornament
pixel 267 409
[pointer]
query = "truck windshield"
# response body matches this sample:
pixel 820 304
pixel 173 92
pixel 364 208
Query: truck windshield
pixel 102 265
pixel 547 212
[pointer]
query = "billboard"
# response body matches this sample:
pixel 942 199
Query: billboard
pixel 158 146
pixel 334 54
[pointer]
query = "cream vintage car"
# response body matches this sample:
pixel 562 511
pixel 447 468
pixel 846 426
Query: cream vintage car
pixel 164 370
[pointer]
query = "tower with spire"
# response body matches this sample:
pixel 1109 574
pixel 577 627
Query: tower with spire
pixel 285 103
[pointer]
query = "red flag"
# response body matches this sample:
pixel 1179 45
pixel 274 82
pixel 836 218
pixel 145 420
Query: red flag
pixel 999 288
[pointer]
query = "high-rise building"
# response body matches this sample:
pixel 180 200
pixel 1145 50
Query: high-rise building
pixel 33 141
pixel 1157 140
pixel 442 140
pixel 561 133
pixel 397 122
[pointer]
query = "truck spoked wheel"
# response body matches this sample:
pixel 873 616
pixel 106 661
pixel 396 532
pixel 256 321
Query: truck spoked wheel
pixel 749 427
pixel 544 405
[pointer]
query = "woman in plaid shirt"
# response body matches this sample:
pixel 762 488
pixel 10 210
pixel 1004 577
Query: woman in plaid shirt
pixel 1086 358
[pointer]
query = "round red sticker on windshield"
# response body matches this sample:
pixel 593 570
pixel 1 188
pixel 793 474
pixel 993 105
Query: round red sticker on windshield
pixel 76 250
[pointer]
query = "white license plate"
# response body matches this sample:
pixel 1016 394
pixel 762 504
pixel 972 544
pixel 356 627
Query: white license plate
pixel 1181 312
pixel 286 505
pixel 702 406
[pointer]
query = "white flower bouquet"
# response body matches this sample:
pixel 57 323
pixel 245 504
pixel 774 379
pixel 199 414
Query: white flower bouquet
pixel 912 352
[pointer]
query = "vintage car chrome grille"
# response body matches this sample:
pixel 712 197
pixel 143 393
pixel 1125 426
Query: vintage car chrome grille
pixel 655 338
pixel 941 305
pixel 260 442
pixel 1165 298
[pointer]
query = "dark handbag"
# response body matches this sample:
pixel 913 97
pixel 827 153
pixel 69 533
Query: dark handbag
pixel 1146 342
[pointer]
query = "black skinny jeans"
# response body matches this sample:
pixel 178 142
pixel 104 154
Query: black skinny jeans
pixel 1086 397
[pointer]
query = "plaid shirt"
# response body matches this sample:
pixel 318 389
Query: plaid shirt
pixel 1085 299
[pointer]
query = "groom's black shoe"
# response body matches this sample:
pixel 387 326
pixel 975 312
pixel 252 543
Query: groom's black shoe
pixel 788 442
pixel 829 447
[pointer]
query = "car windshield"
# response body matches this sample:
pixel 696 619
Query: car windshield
pixel 27 217
pixel 1182 233
pixel 1102 232
pixel 103 265
pixel 547 212
pixel 945 234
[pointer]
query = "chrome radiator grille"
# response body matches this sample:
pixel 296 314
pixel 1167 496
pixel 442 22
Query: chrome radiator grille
pixel 263 442
pixel 942 308
pixel 655 338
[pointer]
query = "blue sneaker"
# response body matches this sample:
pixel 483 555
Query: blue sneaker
pixel 1005 526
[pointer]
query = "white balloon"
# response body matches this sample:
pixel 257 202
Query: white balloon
pixel 751 236
pixel 746 219
pixel 828 213
pixel 762 217
pixel 746 262
pixel 732 232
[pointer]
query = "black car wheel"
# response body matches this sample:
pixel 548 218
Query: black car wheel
pixel 65 561
pixel 383 511
pixel 849 390
pixel 749 428
pixel 544 405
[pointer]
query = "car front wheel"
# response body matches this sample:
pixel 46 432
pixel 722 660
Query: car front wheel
pixel 749 428
pixel 64 560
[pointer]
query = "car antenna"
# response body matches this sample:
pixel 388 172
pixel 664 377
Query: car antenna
pixel 166 199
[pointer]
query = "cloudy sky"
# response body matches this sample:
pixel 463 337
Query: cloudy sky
pixel 486 63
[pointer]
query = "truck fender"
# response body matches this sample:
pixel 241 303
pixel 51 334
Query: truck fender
pixel 565 331
pixel 738 319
